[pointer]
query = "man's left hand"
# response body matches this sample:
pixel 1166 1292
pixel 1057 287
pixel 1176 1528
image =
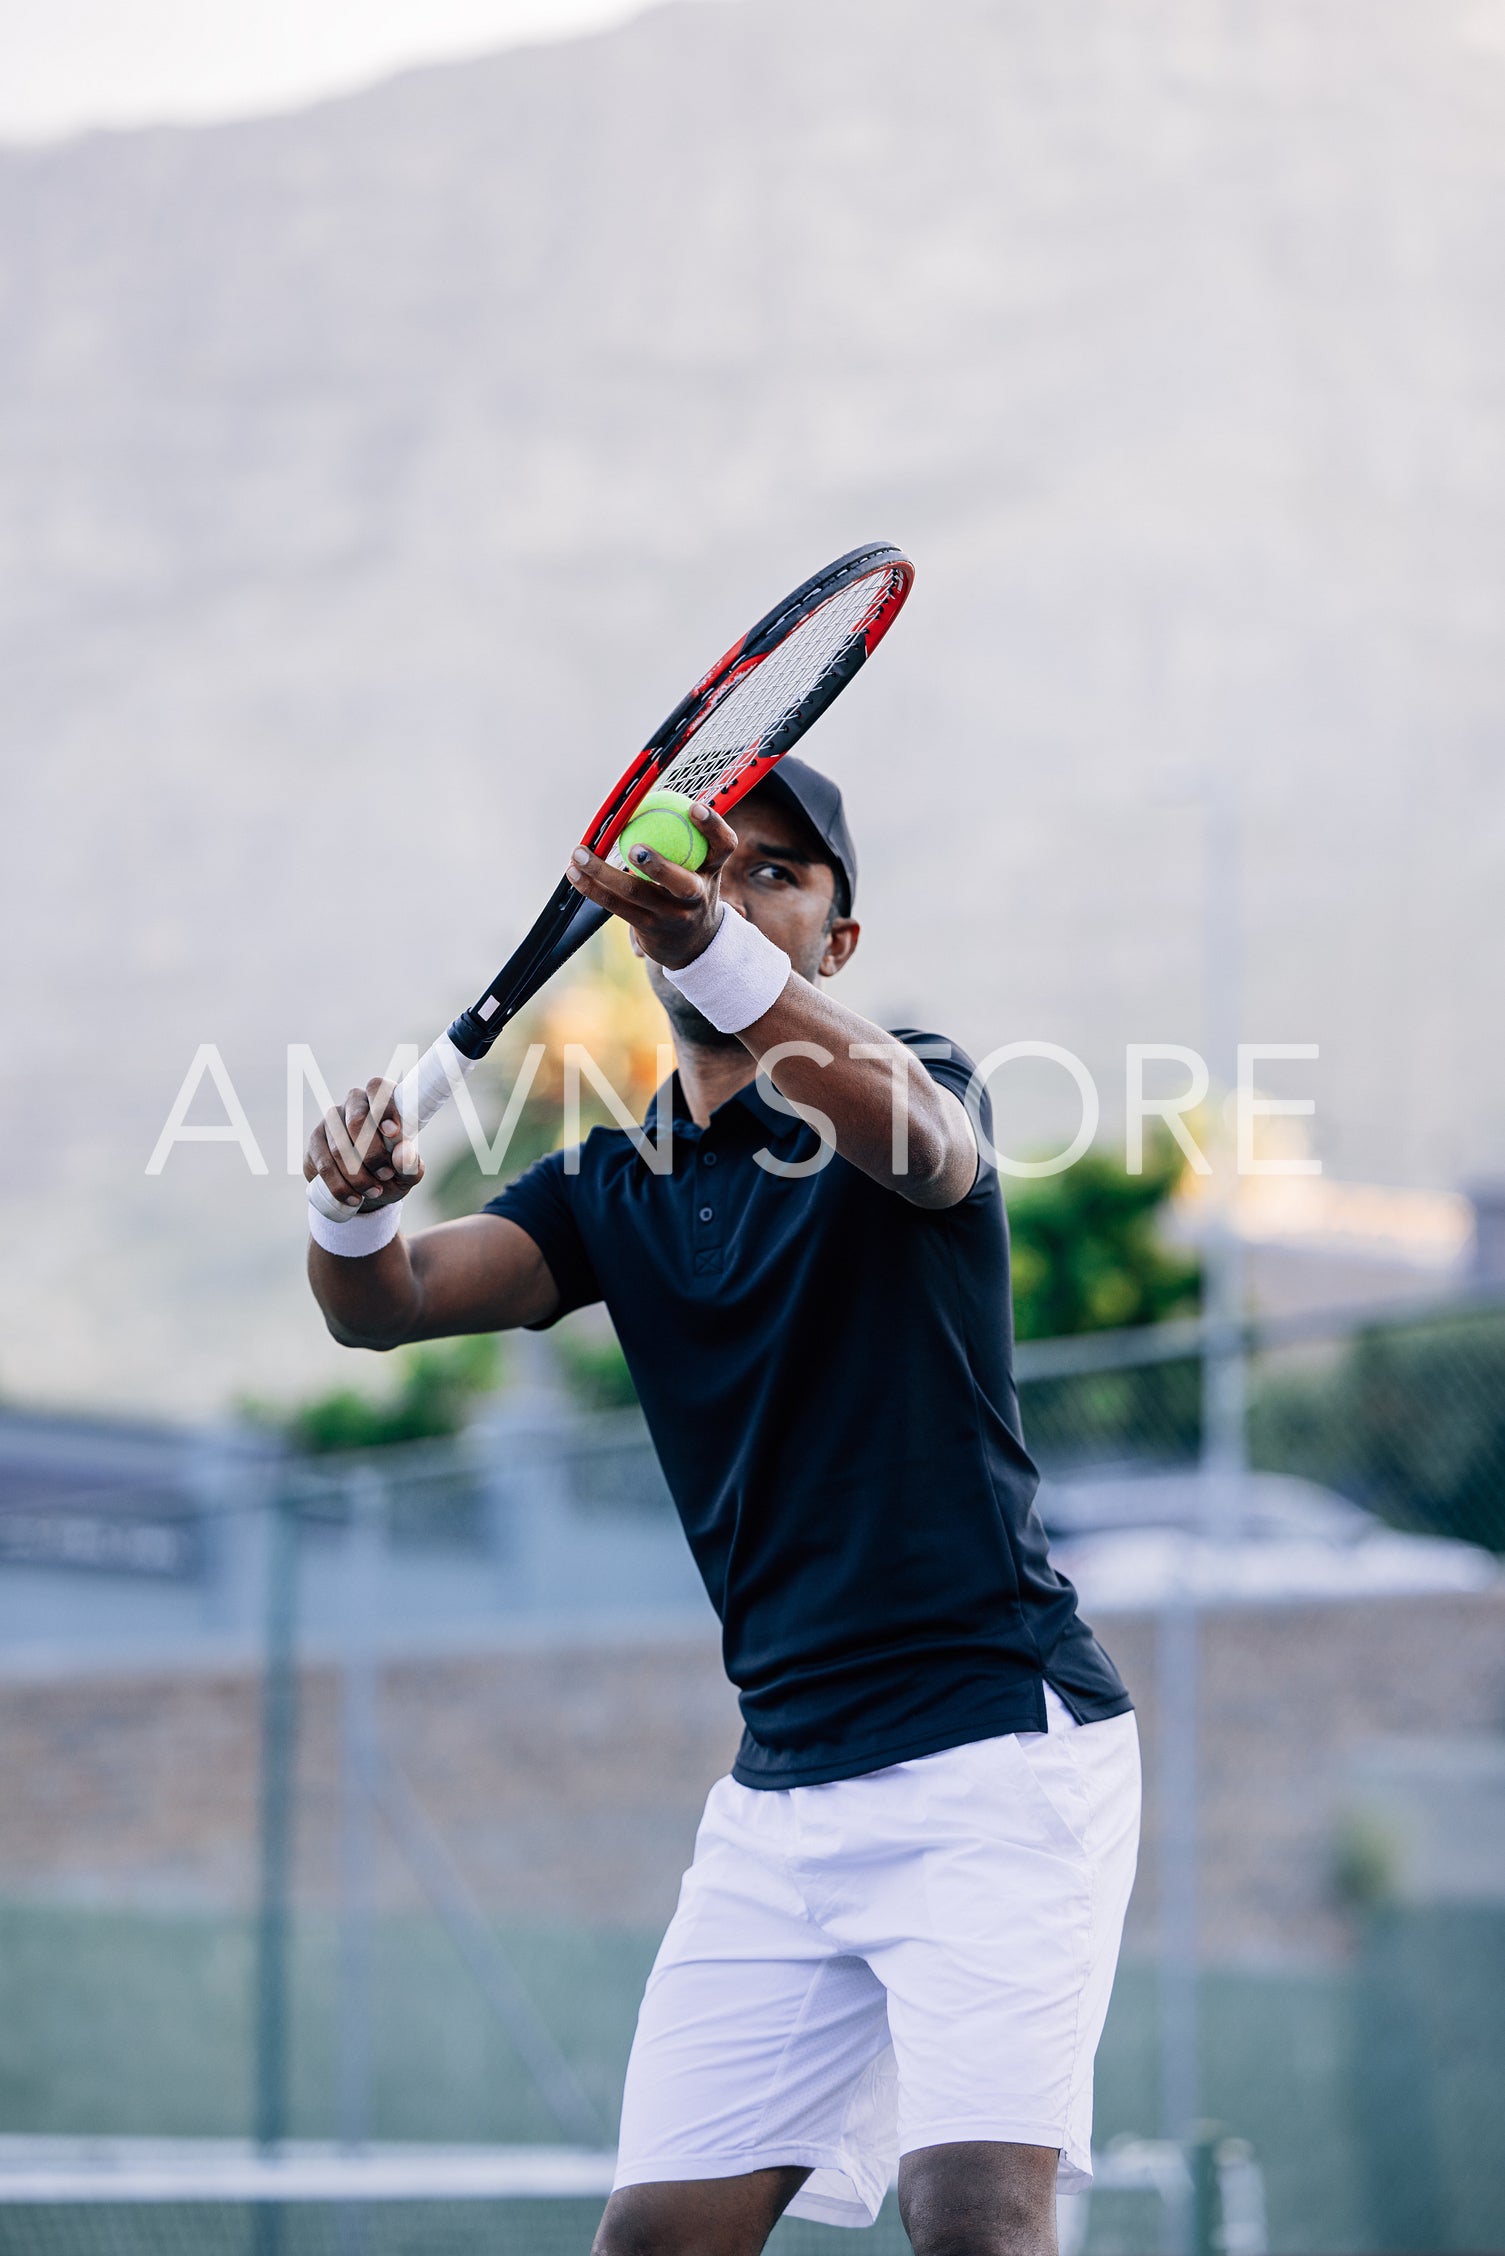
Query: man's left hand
pixel 676 916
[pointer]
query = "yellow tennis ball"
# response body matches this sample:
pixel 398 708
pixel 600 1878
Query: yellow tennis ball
pixel 662 821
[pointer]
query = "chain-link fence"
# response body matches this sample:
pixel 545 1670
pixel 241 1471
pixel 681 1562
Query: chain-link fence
pixel 1398 1411
pixel 345 1799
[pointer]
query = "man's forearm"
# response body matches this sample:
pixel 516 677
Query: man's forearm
pixel 887 1114
pixel 482 1274
pixel 373 1301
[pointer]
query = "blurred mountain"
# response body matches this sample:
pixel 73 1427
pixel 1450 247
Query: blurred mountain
pixel 373 479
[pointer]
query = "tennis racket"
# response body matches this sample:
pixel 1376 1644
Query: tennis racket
pixel 718 744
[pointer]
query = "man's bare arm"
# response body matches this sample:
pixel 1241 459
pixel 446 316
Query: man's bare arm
pixel 889 1117
pixel 483 1274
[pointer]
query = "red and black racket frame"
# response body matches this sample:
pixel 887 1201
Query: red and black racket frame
pixel 568 921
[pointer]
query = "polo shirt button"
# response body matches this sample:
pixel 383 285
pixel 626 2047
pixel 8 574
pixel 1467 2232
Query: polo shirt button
pixel 709 1158
pixel 707 1213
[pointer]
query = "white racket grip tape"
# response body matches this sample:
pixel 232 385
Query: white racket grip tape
pixel 737 978
pixel 417 1096
pixel 431 1084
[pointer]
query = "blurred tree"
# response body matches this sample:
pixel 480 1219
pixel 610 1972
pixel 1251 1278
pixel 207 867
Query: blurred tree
pixel 606 1006
pixel 1087 1256
pixel 1086 1250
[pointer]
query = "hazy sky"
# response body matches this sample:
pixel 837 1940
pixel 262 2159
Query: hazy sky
pixel 69 64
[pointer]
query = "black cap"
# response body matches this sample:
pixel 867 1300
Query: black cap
pixel 819 801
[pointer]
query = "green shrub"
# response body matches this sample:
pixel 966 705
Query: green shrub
pixel 1086 1254
pixel 437 1387
pixel 595 1370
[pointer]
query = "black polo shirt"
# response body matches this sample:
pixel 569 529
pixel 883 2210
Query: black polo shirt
pixel 826 1372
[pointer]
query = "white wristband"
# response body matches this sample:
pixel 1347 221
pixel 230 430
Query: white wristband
pixel 737 978
pixel 362 1234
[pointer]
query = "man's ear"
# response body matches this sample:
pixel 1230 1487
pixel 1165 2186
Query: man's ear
pixel 841 940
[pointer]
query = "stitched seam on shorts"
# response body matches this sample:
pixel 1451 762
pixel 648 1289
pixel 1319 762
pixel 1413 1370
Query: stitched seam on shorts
pixel 1042 1795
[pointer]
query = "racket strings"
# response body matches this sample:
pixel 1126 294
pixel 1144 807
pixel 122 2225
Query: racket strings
pixel 759 703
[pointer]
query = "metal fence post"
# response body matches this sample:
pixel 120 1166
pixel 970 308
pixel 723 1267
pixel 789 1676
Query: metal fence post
pixel 1206 2193
pixel 279 1718
pixel 1221 1499
pixel 359 1757
pixel 365 1496
pixel 1177 1672
pixel 1225 1449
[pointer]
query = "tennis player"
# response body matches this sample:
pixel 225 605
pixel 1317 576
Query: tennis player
pixel 897 1939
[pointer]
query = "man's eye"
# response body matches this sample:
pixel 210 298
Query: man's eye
pixel 775 869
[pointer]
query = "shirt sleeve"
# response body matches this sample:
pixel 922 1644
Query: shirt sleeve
pixel 948 1063
pixel 540 1202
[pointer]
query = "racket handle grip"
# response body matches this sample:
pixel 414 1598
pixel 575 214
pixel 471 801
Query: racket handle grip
pixel 417 1097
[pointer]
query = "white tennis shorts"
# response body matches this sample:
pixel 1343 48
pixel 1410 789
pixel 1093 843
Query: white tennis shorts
pixel 907 1959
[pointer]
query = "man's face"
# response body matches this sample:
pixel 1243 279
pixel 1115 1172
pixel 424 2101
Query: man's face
pixel 779 884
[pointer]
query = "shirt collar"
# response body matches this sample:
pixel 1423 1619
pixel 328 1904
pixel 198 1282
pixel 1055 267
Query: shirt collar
pixel 670 1097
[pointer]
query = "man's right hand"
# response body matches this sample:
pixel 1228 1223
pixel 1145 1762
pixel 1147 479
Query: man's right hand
pixel 358 1151
pixel 482 1274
